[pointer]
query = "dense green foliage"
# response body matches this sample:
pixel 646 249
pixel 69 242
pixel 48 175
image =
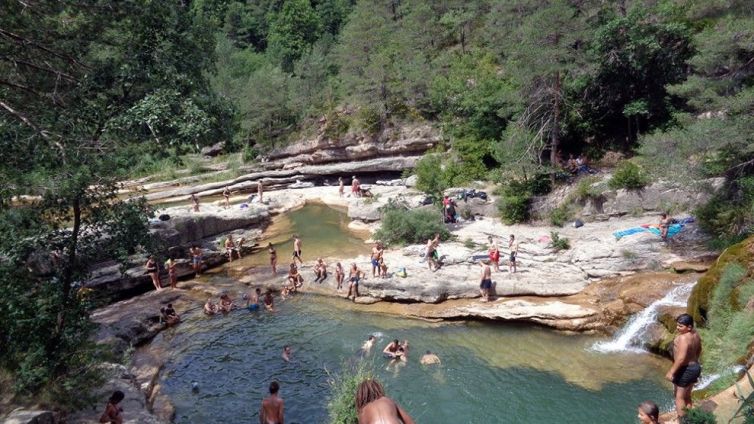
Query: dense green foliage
pixel 86 88
pixel 402 226
pixel 629 176
pixel 341 406
pixel 699 416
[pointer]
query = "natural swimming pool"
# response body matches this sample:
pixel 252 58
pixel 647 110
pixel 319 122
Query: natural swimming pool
pixel 491 373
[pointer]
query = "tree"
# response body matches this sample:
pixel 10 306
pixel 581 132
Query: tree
pixel 293 30
pixel 83 85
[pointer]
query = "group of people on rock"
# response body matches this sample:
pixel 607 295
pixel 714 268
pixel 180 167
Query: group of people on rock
pixel 253 301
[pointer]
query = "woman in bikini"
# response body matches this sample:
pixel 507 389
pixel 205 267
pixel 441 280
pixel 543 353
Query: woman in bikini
pixel 339 275
pixel 153 272
pixel 170 264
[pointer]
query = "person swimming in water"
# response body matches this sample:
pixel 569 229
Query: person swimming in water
pixel 429 358
pixel 391 350
pixel 373 407
pixel 687 348
pixel 226 303
pixel 268 302
pixel 210 308
pixel 648 413
pixel 287 353
pixel 272 409
pixel 366 347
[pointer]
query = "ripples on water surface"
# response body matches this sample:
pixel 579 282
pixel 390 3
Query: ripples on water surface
pixel 490 373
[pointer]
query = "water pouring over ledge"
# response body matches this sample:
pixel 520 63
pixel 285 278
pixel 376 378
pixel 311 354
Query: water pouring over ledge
pixel 629 337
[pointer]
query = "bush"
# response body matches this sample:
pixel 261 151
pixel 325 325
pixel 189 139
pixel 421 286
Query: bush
pixel 729 214
pixel 342 404
pixel 400 226
pixel 514 209
pixel 369 119
pixel 469 244
pixel 699 416
pixel 515 197
pixel 560 215
pixel 429 175
pixel 584 190
pixel 558 243
pixel 629 176
pixel 249 153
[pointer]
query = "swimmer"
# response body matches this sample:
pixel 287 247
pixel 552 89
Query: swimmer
pixel 373 407
pixel 648 413
pixel 253 300
pixel 687 348
pixel 339 275
pixel 485 283
pixel 210 308
pixel 297 249
pixel 391 350
pixel 271 411
pixel 287 352
pixel 320 268
pixel 368 344
pixel 429 358
pixel 226 303
pixel 268 302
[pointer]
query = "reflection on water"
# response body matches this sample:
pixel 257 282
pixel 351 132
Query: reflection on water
pixel 489 374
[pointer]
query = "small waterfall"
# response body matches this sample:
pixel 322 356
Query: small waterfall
pixel 706 380
pixel 626 339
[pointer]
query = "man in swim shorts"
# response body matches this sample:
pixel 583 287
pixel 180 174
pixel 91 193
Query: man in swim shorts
pixel 297 249
pixel 376 256
pixel 494 254
pixel 354 276
pixel 687 348
pixel 513 246
pixel 253 301
pixel 271 411
pixel 485 283
pixel 196 259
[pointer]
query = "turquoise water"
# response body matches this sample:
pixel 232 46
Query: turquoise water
pixel 491 373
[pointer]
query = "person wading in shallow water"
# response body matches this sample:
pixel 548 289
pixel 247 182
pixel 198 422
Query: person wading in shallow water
pixel 687 348
pixel 271 411
pixel 374 407
pixel 648 413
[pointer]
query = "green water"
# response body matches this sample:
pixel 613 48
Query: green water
pixel 491 373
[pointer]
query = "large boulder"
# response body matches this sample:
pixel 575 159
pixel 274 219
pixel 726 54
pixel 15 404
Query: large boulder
pixel 30 416
pixel 186 226
pixel 213 150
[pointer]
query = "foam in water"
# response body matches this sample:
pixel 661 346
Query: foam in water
pixel 626 340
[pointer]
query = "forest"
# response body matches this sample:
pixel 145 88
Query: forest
pixel 93 91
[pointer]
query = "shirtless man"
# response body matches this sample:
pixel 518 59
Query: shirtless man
pixel 273 258
pixel 196 259
pixel 354 276
pixel 210 308
pixel 374 407
pixel 226 195
pixel 429 252
pixel 170 316
pixel 430 358
pixel 354 186
pixel 297 249
pixel 368 344
pixel 271 411
pixel 195 201
pixel 268 301
pixel 377 251
pixel 113 412
pixel 294 278
pixel 340 186
pixel 513 246
pixel 287 352
pixel 687 348
pixel 252 303
pixel 340 275
pixel 170 264
pixel 260 190
pixel 485 281
pixel 226 303
pixel 664 226
pixel 320 269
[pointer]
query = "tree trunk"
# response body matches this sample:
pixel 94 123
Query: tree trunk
pixel 555 133
pixel 67 280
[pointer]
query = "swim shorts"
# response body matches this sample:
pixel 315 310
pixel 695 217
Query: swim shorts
pixel 513 257
pixel 354 281
pixel 486 284
pixel 253 307
pixel 494 256
pixel 196 260
pixel 375 263
pixel 687 375
pixel 297 254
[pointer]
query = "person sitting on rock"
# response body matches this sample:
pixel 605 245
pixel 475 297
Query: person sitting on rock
pixel 170 316
pixel 294 277
pixel 320 269
pixel 210 308
pixel 113 412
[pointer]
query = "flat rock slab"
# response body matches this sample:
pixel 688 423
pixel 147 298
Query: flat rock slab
pixel 27 416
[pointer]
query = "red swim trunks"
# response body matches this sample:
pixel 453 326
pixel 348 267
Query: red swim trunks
pixel 495 255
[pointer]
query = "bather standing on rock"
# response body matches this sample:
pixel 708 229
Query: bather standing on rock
pixel 374 407
pixel 297 249
pixel 485 281
pixel 494 254
pixel 340 275
pixel 377 251
pixel 340 186
pixel 273 258
pixel 195 201
pixel 431 252
pixel 230 247
pixel 170 264
pixel 513 246
pixel 196 259
pixel 271 411
pixel 260 190
pixel 154 272
pixel 226 195
pixel 687 349
pixel 664 226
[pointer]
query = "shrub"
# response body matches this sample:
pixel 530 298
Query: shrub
pixel 699 416
pixel 466 213
pixel 628 175
pixel 369 119
pixel 560 215
pixel 469 244
pixel 400 226
pixel 729 214
pixel 559 243
pixel 584 190
pixel 514 209
pixel 249 153
pixel 515 197
pixel 342 404
pixel 429 175
pixel 337 125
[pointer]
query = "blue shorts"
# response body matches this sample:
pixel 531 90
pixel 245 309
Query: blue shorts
pixel 196 260
pixel 375 263
pixel 486 284
pixel 253 307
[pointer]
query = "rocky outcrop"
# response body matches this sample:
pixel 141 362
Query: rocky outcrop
pixel 408 140
pixel 186 226
pixel 30 416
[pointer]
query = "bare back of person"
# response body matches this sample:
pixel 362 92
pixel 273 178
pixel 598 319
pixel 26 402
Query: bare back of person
pixel 381 411
pixel 272 410
pixel 691 344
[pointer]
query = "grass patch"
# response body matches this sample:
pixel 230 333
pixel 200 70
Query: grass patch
pixel 342 404
pixel 558 243
pixel 560 215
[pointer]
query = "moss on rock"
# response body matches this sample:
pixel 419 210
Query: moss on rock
pixel 698 304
